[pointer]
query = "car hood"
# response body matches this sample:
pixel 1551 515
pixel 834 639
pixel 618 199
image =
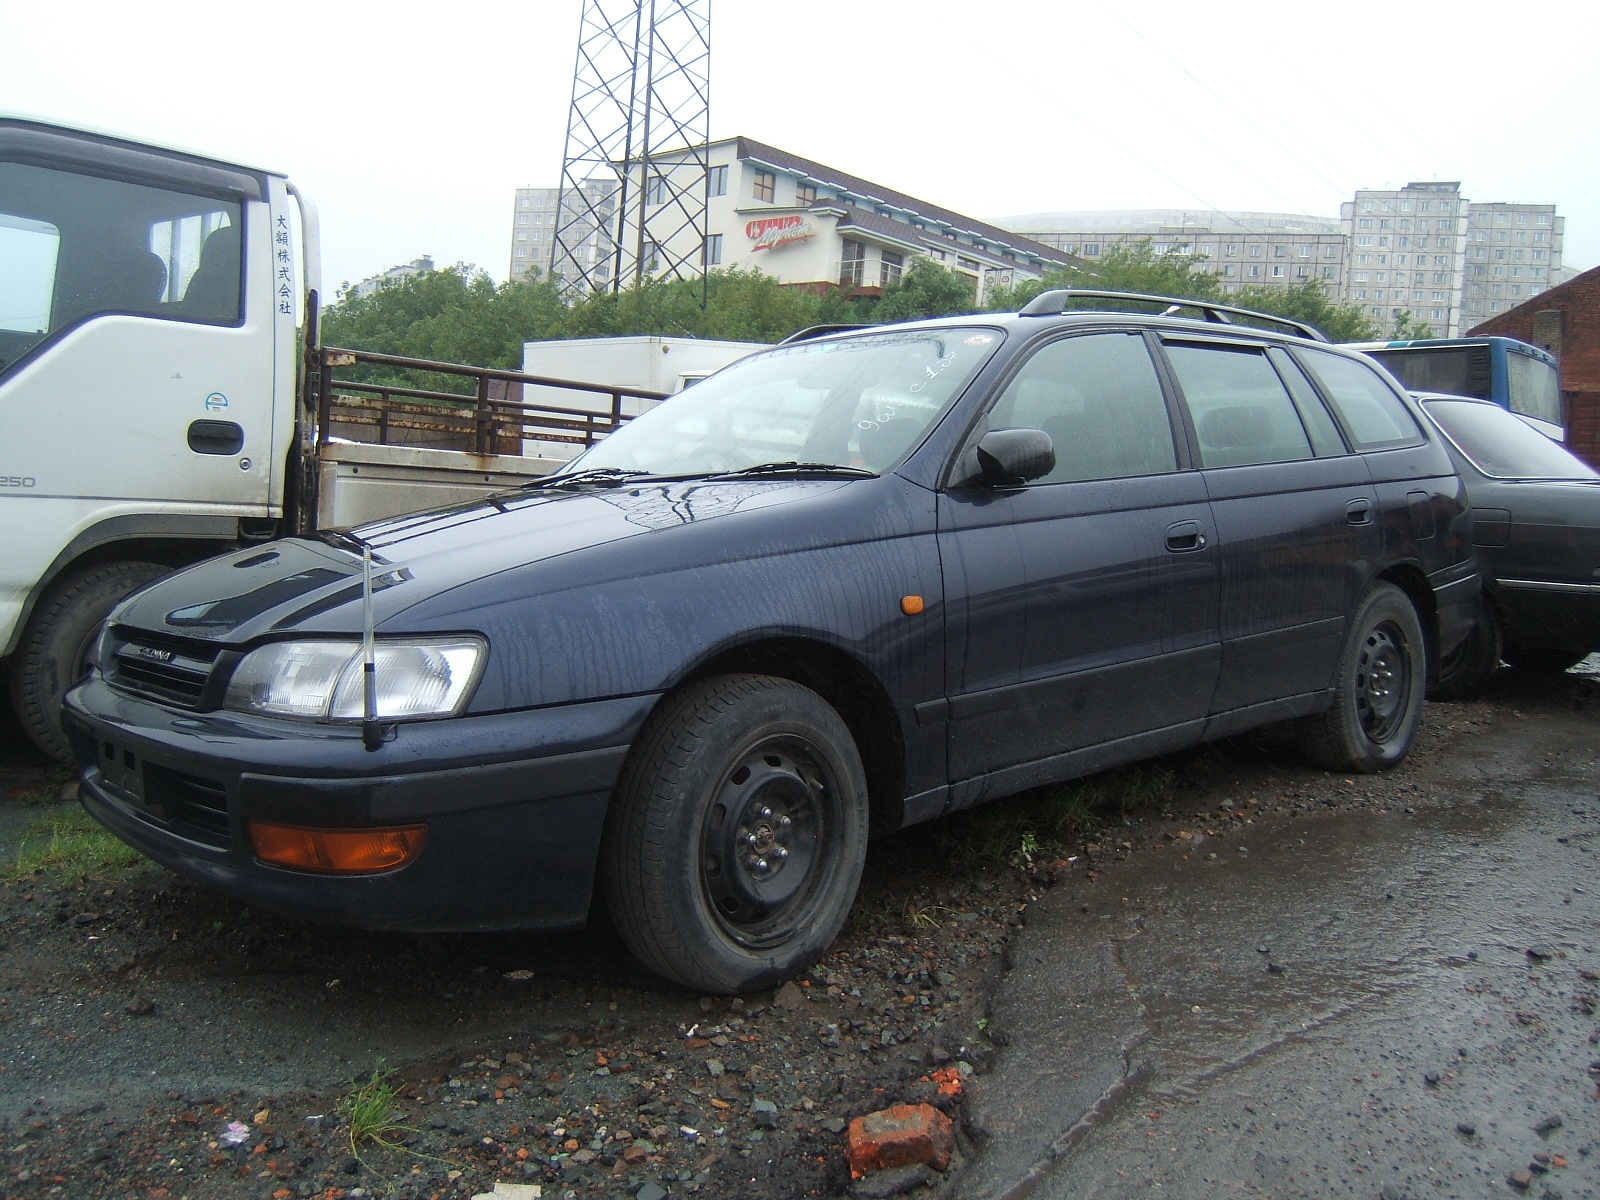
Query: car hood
pixel 317 582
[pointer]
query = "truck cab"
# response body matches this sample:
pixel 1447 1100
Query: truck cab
pixel 148 342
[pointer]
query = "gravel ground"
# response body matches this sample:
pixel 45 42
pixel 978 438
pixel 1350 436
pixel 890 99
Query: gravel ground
pixel 158 1041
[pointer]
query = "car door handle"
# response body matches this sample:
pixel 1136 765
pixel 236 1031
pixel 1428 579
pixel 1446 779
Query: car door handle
pixel 1184 536
pixel 1358 512
pixel 216 437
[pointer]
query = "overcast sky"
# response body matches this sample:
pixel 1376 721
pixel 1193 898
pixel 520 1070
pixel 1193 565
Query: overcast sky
pixel 411 126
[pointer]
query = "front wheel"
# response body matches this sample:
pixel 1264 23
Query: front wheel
pixel 737 834
pixel 1377 702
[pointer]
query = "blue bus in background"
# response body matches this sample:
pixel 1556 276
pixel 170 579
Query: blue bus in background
pixel 1512 374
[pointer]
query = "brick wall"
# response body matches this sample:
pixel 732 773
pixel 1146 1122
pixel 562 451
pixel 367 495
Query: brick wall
pixel 1566 321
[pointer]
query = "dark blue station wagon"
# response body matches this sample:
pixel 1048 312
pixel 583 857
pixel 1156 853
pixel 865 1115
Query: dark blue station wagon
pixel 855 582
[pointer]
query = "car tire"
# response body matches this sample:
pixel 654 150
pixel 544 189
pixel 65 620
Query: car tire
pixel 737 834
pixel 1378 691
pixel 1544 659
pixel 55 646
pixel 1467 670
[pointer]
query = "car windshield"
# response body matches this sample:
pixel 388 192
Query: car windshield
pixel 858 402
pixel 1504 446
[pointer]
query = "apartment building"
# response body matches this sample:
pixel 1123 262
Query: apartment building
pixel 1513 251
pixel 1244 249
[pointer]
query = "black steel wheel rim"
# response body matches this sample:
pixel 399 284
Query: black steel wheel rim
pixel 1383 682
pixel 765 842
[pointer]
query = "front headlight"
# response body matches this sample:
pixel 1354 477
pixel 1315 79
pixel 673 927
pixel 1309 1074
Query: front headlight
pixel 322 681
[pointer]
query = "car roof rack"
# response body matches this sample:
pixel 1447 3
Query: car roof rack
pixel 1054 303
pixel 816 331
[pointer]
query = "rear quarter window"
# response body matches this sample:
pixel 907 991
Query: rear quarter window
pixel 1373 416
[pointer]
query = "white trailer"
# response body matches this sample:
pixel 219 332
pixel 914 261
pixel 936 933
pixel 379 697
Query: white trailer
pixel 654 364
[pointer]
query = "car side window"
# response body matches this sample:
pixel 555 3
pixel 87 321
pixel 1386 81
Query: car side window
pixel 1326 439
pixel 1100 400
pixel 1241 410
pixel 1373 416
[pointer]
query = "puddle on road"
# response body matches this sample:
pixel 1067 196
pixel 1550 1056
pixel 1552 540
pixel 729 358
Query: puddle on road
pixel 1309 966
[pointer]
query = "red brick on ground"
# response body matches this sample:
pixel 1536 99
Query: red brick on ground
pixel 898 1136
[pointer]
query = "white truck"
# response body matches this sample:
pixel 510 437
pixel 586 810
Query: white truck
pixel 164 396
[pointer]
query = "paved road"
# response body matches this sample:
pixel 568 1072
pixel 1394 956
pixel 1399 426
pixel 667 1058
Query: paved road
pixel 1332 1006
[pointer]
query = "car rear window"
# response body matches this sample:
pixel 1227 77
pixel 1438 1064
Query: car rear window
pixel 1503 445
pixel 1373 415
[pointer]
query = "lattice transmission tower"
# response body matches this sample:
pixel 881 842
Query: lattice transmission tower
pixel 641 87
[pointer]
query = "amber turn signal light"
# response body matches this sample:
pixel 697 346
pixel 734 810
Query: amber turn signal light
pixel 337 851
pixel 911 605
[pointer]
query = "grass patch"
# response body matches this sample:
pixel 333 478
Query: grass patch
pixel 46 791
pixel 369 1111
pixel 1050 822
pixel 70 846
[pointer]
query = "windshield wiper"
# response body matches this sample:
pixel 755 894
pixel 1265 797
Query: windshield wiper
pixel 796 468
pixel 597 476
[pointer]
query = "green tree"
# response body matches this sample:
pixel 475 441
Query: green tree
pixel 1308 302
pixel 927 289
pixel 1129 267
pixel 1407 327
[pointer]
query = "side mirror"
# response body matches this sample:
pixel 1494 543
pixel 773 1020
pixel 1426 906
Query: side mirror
pixel 1010 457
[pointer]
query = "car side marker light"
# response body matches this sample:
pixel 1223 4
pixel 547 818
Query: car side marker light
pixel 911 605
pixel 337 851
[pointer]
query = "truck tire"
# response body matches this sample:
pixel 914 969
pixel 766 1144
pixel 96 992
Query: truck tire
pixel 737 834
pixel 1377 701
pixel 56 643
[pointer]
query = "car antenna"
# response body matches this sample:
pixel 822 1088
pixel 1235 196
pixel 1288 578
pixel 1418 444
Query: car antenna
pixel 371 732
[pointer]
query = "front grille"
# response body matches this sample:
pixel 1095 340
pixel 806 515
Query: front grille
pixel 167 670
pixel 190 806
pixel 195 808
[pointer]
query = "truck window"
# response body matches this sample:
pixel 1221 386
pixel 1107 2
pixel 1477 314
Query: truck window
pixel 28 252
pixel 73 246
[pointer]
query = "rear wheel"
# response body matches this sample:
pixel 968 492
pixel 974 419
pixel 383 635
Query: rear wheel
pixel 1466 670
pixel 1377 701
pixel 737 834
pixel 55 646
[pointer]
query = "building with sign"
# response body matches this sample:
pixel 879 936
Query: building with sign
pixel 810 225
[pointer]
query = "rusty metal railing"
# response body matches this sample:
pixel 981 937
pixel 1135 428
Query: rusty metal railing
pixel 492 419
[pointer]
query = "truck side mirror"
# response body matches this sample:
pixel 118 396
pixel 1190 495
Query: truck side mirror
pixel 1010 457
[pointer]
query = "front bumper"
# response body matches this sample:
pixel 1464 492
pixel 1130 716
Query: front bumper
pixel 515 805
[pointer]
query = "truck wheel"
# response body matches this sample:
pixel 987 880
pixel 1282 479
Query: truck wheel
pixel 1465 672
pixel 1377 701
pixel 737 834
pixel 55 646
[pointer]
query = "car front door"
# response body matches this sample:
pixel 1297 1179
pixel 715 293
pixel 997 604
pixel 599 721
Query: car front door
pixel 1083 605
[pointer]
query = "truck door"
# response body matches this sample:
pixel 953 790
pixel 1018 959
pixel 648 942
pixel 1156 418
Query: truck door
pixel 136 364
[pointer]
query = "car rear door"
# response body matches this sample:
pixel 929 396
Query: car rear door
pixel 1295 514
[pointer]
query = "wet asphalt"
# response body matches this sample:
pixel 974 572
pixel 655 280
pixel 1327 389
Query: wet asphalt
pixel 1371 1004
